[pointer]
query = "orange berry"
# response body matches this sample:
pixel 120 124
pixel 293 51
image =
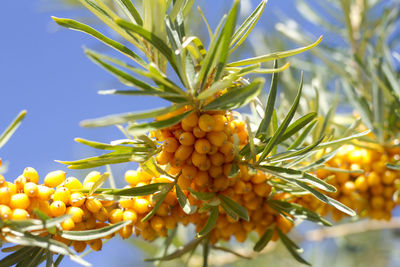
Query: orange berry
pixel 115 216
pixel 95 244
pixel 377 202
pixel 220 122
pixel 170 144
pixel 215 171
pixel 127 202
pixel 373 179
pixel 361 183
pixel 131 177
pixel 186 138
pixel 79 246
pixel 228 149
pixel 141 205
pixel 388 177
pixel 164 157
pixel 5 195
pixel 19 214
pixel 213 150
pixel 191 120
pixel 198 159
pixel 261 189
pixel 20 182
pixel 183 152
pixel 2 180
pixel 57 208
pixel 198 133
pixel 189 172
pixel 201 179
pixel 217 159
pixel 217 138
pixel 101 215
pixel 202 146
pixel 206 123
pixel 19 201
pixel 54 178
pixel 31 175
pixel 93 205
pixel 31 189
pixel 157 223
pixel 126 231
pixel 130 215
pixel 348 187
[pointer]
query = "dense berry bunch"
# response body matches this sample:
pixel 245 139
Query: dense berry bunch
pixel 363 183
pixel 57 196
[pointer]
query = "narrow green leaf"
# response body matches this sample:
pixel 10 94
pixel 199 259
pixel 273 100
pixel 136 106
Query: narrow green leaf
pixel 236 97
pixel 143 190
pixel 269 108
pixel 17 256
pixel 201 195
pixel 299 124
pixel 160 199
pixel 5 136
pixel 156 125
pixel 302 137
pixel 234 170
pixel 231 251
pixel 282 128
pixel 133 11
pixel 211 221
pixel 180 251
pixel 272 56
pixel 99 183
pixel 95 233
pixel 183 201
pixel 395 167
pixel 263 241
pixel 229 204
pixel 78 26
pixel 291 247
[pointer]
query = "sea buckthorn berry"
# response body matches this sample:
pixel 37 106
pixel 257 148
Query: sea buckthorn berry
pixel 215 171
pixel 259 178
pixel 202 146
pixel 115 216
pixel 186 127
pixel 284 224
pixel 19 201
pixel 19 214
pixel 44 192
pixel 127 202
pixel 177 133
pixel 217 159
pixel 348 187
pixel 205 166
pixel 79 246
pixel 93 205
pixel 239 125
pixel 376 190
pixel 57 208
pixel 183 152
pixel 377 202
pixel 243 136
pixel 101 215
pixel 92 176
pixel 2 180
pixel 170 145
pixel 198 133
pixel 126 231
pixel 44 206
pixel 20 182
pixel 186 138
pixel 62 194
pixel 388 177
pixel 201 179
pixel 227 149
pixel 141 205
pixel 191 120
pixel 31 189
pixel 220 122
pixel 373 179
pixel 379 166
pixel 206 123
pixel 213 150
pixel 77 199
pixel 95 244
pixel 164 157
pixel 217 138
pixel 131 177
pixel 5 212
pixel 189 172
pixel 5 195
pixel 12 187
pixel 31 175
pixel 90 223
pixel 130 215
pixel 77 214
pixel 261 189
pixel 198 159
pixel 361 183
pixel 144 175
pixel 157 223
pixel 54 178
pixel 72 183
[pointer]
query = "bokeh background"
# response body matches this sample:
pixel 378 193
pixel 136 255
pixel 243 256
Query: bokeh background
pixel 43 69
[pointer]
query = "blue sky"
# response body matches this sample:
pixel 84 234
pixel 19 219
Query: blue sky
pixel 43 69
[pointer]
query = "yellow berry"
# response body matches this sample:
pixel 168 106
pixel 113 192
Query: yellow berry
pixel 5 212
pixel 198 133
pixel 31 189
pixel 141 205
pixel 115 216
pixel 157 223
pixel 93 205
pixel 54 178
pixel 127 203
pixel 5 195
pixel 186 139
pixel 72 183
pixel 202 146
pixel 57 208
pixel 68 224
pixel 12 187
pixel 31 175
pixel 373 179
pixel 77 199
pixel 101 215
pixel 2 180
pixel 62 194
pixel 44 192
pixel 20 182
pixel 189 172
pixel 220 122
pixel 217 138
pixel 95 244
pixel 77 214
pixel 164 157
pixel 19 214
pixel 130 215
pixel 170 144
pixel 183 152
pixel 92 176
pixel 191 120
pixel 126 231
pixel 19 201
